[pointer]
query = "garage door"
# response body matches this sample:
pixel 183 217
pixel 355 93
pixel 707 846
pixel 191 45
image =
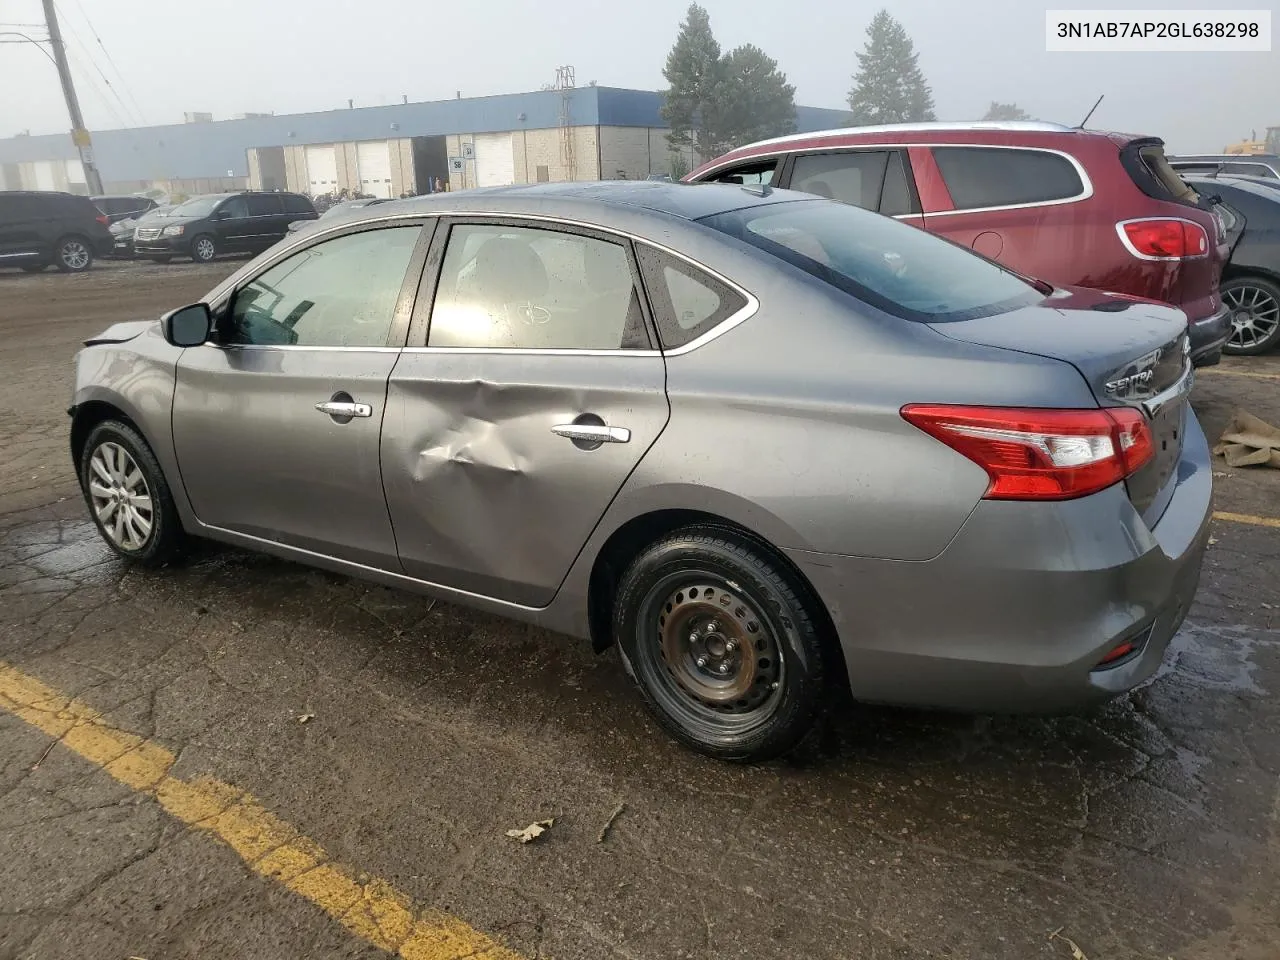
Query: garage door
pixel 374 162
pixel 322 170
pixel 495 160
pixel 45 177
pixel 76 177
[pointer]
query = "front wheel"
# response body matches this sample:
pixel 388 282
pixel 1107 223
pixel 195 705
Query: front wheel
pixel 723 643
pixel 203 249
pixel 1254 303
pixel 128 496
pixel 73 255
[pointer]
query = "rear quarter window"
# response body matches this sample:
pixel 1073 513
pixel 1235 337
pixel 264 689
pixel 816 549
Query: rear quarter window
pixel 979 177
pixel 293 203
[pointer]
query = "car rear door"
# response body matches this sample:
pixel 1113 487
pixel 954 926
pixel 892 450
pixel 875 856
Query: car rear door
pixel 530 389
pixel 24 222
pixel 276 423
pixel 266 214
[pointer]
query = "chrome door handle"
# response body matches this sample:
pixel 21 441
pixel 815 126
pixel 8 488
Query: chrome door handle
pixel 592 433
pixel 337 408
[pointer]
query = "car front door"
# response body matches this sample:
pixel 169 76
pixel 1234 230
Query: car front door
pixel 531 388
pixel 276 423
pixel 232 226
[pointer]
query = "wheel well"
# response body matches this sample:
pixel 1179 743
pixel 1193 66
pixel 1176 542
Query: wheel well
pixel 633 536
pixel 89 415
pixel 1236 273
pixel 72 236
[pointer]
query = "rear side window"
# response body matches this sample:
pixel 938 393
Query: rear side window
pixel 1249 169
pixel 296 204
pixel 687 302
pixel 855 178
pixel 264 204
pixel 980 177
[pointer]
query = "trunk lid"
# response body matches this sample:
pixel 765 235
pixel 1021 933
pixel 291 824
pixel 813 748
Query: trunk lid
pixel 1131 353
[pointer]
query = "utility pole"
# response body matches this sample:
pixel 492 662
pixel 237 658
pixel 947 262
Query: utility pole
pixel 79 134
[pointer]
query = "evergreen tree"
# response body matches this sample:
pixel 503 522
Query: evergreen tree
pixel 889 86
pixel 1005 111
pixel 755 100
pixel 691 105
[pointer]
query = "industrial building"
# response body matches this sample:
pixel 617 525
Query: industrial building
pixel 564 133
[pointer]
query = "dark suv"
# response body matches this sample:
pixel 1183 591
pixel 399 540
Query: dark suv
pixel 1076 208
pixel 39 228
pixel 204 227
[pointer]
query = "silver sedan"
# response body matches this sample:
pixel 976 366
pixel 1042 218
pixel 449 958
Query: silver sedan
pixel 766 444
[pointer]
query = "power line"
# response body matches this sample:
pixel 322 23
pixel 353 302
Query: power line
pixel 107 53
pixel 94 63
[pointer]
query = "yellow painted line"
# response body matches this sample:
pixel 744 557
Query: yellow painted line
pixel 1217 371
pixel 370 908
pixel 1248 518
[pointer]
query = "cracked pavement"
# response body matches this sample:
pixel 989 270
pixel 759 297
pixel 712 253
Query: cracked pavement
pixel 1149 828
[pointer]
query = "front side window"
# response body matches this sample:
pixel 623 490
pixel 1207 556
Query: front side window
pixel 234 209
pixel 979 177
pixel 881 261
pixel 854 177
pixel 506 287
pixel 339 293
pixel 752 174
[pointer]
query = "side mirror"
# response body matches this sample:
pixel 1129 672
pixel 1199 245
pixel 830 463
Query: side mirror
pixel 188 326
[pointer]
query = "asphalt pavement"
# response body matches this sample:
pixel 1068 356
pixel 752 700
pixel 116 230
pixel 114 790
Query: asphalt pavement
pixel 239 757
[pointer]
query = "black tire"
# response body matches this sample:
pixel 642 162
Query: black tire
pixel 35 267
pixel 1255 308
pixel 730 588
pixel 73 254
pixel 203 248
pixel 165 539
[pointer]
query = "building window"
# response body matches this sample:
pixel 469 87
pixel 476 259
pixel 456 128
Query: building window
pixel 543 173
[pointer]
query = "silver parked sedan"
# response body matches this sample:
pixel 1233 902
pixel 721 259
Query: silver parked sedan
pixel 764 442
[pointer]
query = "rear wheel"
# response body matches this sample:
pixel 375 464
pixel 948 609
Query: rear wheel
pixel 73 255
pixel 723 643
pixel 128 496
pixel 1254 303
pixel 203 249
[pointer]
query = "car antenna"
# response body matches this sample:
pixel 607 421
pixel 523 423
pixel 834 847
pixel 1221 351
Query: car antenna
pixel 1090 113
pixel 758 189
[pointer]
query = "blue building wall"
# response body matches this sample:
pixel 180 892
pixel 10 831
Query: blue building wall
pixel 217 149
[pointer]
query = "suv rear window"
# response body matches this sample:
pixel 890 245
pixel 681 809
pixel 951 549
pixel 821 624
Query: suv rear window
pixel 888 264
pixel 1151 172
pixel 998 177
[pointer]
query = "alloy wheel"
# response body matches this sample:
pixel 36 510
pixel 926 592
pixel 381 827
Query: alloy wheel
pixel 1255 315
pixel 74 255
pixel 121 499
pixel 204 249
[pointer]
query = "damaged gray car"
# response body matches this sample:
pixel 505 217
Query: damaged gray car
pixel 766 444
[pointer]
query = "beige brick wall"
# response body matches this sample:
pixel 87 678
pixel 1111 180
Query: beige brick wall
pixel 255 169
pixel 625 153
pixel 532 148
pixel 402 176
pixel 295 168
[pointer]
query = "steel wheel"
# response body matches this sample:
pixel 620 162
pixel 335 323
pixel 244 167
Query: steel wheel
pixel 1255 315
pixel 203 249
pixel 120 497
pixel 74 255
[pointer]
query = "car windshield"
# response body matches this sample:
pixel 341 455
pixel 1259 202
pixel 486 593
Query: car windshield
pixel 198 207
pixel 898 268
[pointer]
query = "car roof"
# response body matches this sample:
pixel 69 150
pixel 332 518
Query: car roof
pixel 1254 187
pixel 682 200
pixel 1226 157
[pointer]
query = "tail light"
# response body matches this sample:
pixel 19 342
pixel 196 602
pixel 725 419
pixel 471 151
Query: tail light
pixel 1164 238
pixel 1034 454
pixel 103 219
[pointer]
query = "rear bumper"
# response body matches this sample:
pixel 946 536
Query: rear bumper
pixel 1016 614
pixel 1208 335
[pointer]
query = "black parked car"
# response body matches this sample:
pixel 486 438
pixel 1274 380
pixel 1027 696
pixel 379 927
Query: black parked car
pixel 39 228
pixel 204 227
pixel 1247 164
pixel 1251 281
pixel 119 208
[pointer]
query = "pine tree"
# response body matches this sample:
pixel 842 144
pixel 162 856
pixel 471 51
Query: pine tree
pixel 889 86
pixel 1005 111
pixel 691 105
pixel 756 102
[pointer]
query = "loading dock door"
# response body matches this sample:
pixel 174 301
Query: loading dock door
pixel 374 162
pixel 322 170
pixel 45 177
pixel 495 160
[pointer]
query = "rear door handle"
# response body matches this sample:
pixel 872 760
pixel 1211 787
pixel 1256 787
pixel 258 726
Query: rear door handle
pixel 339 408
pixel 592 433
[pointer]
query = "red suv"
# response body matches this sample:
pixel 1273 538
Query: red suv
pixel 1075 208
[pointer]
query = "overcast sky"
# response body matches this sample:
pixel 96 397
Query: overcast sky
pixel 287 56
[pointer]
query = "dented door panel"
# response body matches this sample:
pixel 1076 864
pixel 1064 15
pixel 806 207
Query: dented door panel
pixel 484 496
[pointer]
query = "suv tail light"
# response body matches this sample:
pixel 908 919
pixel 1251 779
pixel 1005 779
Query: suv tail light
pixel 1164 238
pixel 103 219
pixel 1034 454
